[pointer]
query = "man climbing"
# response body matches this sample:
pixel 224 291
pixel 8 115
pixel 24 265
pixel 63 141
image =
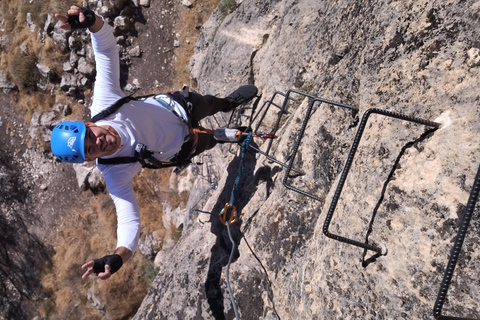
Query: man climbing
pixel 152 131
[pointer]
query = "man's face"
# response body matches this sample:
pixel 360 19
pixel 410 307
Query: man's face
pixel 99 142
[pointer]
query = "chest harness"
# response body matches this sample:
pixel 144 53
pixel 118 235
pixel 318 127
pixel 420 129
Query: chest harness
pixel 142 153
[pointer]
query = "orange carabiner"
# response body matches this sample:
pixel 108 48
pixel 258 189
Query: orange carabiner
pixel 223 214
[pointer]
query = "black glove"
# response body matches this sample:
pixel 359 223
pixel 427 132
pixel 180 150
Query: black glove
pixel 114 261
pixel 74 20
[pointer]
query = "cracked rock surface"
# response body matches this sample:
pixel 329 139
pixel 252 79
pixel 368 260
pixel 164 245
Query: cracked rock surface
pixel 419 59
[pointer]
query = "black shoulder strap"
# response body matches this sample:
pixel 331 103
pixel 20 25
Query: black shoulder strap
pixel 155 164
pixel 112 109
pixel 118 160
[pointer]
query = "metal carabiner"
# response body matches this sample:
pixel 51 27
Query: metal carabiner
pixel 223 214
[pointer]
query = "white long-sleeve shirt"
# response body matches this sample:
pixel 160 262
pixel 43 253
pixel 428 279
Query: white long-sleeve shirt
pixel 146 122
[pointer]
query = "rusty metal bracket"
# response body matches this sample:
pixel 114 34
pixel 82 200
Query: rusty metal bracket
pixel 452 262
pixel 380 250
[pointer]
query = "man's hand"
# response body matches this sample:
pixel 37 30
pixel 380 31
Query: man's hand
pixel 80 17
pixel 108 265
pixel 103 267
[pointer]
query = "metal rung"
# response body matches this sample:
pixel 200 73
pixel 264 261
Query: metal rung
pixel 312 101
pixel 452 262
pixel 381 250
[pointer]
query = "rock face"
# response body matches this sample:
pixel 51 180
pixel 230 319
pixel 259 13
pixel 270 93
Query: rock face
pixel 419 59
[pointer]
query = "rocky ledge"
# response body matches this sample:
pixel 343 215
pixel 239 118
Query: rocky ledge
pixel 420 59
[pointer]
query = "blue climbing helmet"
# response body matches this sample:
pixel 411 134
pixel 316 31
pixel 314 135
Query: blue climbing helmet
pixel 68 141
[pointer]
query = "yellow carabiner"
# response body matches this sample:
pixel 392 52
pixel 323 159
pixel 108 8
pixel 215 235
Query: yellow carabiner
pixel 223 214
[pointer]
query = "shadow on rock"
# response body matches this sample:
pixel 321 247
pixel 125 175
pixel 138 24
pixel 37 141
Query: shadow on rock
pixel 22 254
pixel 223 246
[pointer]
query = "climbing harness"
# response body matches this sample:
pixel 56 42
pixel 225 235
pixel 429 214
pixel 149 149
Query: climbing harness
pixel 142 153
pixel 146 156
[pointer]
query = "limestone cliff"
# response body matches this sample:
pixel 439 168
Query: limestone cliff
pixel 416 58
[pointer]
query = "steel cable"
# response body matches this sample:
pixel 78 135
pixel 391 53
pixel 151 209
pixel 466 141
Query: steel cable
pixel 228 272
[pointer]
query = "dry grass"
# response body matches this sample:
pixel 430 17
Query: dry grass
pixel 91 231
pixel 76 244
pixel 20 68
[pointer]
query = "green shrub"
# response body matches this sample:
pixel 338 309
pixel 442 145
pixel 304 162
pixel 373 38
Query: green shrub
pixel 226 7
pixel 148 271
pixel 177 233
pixel 23 70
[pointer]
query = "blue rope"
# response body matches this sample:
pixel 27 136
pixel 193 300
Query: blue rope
pixel 240 171
pixel 242 165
